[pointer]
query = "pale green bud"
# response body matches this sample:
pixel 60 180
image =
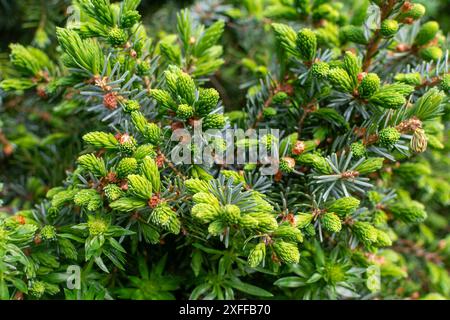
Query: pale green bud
pixel 257 255
pixel 344 206
pixel 426 33
pixel 126 166
pixel 331 222
pixel 287 252
pixel 306 44
pixel 204 212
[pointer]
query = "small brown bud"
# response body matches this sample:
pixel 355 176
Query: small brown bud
pixel 110 101
pixel 298 147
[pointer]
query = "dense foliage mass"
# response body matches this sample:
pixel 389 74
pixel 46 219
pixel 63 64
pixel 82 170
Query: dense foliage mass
pixel 95 206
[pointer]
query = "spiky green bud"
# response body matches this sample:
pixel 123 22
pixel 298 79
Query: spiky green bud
pixel 344 206
pixel 37 289
pixel 131 105
pixel 48 232
pixel 353 34
pixel 352 65
pixel 185 111
pixel 163 98
pixel 139 186
pixel 129 19
pixel 206 197
pixel 213 121
pixel 416 12
pixel 217 227
pixel 409 78
pixel 380 218
pixel 143 67
pixel 112 192
pixel 327 35
pixel 397 88
pixel 369 85
pixel 62 197
pixel 334 273
pixel 374 197
pixel 196 185
pixel 150 170
pixel 445 83
pixel 302 220
pixel 266 222
pixel 320 70
pixel 97 226
pixel 204 212
pixel 306 44
pixel 127 144
pixel 287 252
pixel 269 112
pixel 257 255
pixel 431 53
pixel 186 88
pixel 388 137
pixel 145 150
pixel 30 61
pixel 370 165
pixel 426 33
pixel 153 133
pixel 383 239
pixel 101 140
pixel 331 222
pixel 279 97
pixel 231 213
pixel 365 232
pixel 358 150
pixel 411 212
pixel 287 164
pixel 388 28
pixel 288 233
pixel 310 230
pixel 207 101
pixel 166 218
pixel 91 163
pixel 88 198
pixel 259 203
pixel 340 80
pixel 248 222
pixel 316 161
pixel 387 100
pixel 83 197
pixel 126 166
pixel 117 37
pixel 125 204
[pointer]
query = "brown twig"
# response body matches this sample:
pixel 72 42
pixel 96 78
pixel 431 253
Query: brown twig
pixel 171 166
pixel 307 109
pixel 433 82
pixel 410 247
pixel 374 42
pixel 409 125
